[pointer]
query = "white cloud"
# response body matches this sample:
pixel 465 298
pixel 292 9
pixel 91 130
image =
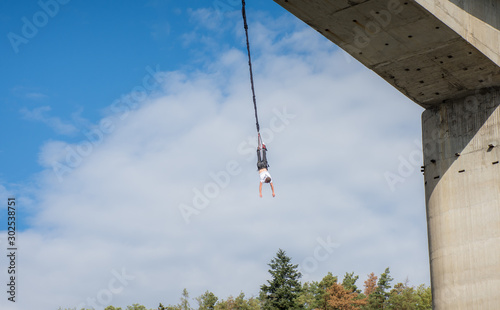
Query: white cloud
pixel 118 210
pixel 58 125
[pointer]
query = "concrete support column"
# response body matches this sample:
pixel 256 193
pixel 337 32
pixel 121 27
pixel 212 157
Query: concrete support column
pixel 461 141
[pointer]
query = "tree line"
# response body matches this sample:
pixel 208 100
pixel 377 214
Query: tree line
pixel 285 292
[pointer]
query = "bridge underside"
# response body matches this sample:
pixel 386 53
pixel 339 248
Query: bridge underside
pixel 405 44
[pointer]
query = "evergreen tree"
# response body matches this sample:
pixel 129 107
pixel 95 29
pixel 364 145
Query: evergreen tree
pixel 185 300
pixel 321 294
pixel 370 284
pixel 183 305
pixel 349 283
pixel 307 297
pixel 402 297
pixel 378 298
pixel 240 303
pixel 424 297
pixel 136 307
pixel 282 291
pixel 207 301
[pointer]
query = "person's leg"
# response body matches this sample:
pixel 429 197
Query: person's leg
pixel 259 160
pixel 264 159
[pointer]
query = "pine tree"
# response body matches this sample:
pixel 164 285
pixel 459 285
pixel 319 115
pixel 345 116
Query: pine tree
pixel 424 297
pixel 184 305
pixel 378 298
pixel 370 284
pixel 321 294
pixel 207 301
pixel 282 291
pixel 402 297
pixel 307 297
pixel 349 282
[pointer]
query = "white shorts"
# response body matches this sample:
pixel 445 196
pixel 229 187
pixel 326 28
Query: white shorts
pixel 263 176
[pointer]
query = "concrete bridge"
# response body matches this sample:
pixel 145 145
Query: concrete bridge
pixel 445 56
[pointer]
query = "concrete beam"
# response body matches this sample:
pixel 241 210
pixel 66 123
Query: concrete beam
pixel 407 45
pixel 478 22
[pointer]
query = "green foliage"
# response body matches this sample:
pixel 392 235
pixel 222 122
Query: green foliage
pixel 321 294
pixel 207 301
pixel 349 283
pixel 136 307
pixel 377 299
pixel 112 308
pixel 307 297
pixel 185 300
pixel 404 297
pixel 240 303
pixel 424 299
pixel 284 288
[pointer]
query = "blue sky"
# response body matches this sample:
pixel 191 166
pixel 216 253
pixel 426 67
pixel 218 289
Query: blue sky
pixel 128 140
pixel 85 57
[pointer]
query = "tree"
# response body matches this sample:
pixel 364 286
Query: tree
pixel 207 301
pixel 378 298
pixel 405 297
pixel 284 288
pixel 184 305
pixel 321 294
pixel 307 297
pixel 402 297
pixel 370 284
pixel 240 303
pixel 136 307
pixel 338 298
pixel 349 283
pixel 424 297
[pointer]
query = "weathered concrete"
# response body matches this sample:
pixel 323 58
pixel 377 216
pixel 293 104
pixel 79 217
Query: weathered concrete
pixel 461 142
pixel 407 45
pixel 476 21
pixel 445 56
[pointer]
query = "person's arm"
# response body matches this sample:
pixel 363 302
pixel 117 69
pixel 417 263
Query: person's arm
pixel 272 187
pixel 260 189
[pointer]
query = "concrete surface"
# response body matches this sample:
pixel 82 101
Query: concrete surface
pixel 412 49
pixel 462 188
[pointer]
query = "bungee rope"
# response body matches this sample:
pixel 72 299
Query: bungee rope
pixel 245 25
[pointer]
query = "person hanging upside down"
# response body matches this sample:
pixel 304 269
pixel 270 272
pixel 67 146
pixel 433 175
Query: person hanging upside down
pixel 265 176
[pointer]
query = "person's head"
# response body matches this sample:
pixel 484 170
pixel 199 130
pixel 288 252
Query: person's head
pixel 267 180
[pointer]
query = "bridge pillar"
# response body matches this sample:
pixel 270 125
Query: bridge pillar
pixel 461 141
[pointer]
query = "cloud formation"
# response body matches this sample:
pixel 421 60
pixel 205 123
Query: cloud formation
pixel 58 125
pixel 113 231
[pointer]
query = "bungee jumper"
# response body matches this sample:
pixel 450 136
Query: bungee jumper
pixel 262 165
